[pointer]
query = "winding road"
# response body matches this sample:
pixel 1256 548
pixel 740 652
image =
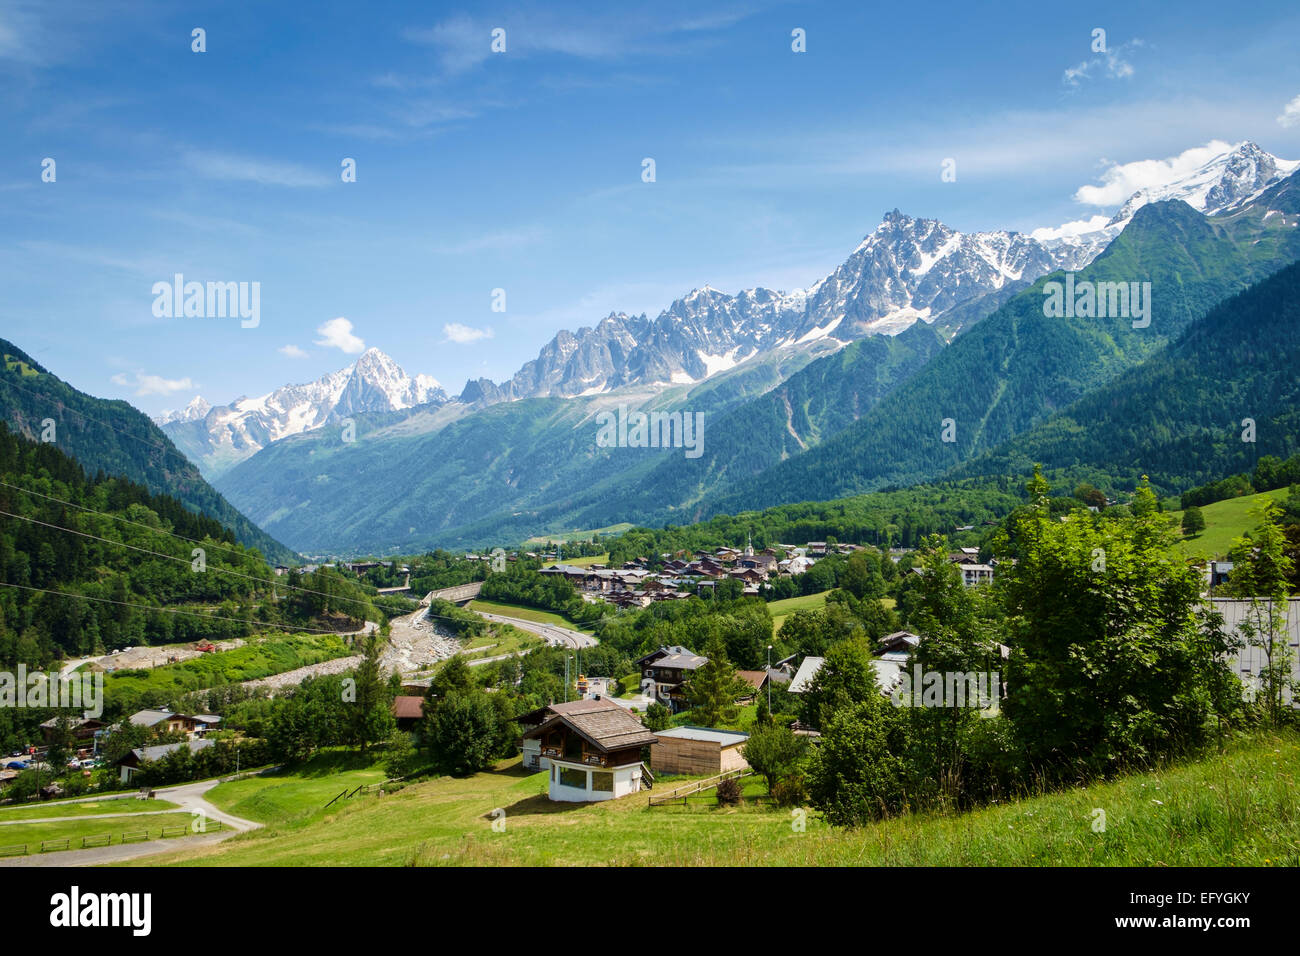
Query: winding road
pixel 550 633
pixel 188 797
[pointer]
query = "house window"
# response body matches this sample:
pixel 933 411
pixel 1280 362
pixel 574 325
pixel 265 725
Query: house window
pixel 572 747
pixel 573 778
pixel 602 781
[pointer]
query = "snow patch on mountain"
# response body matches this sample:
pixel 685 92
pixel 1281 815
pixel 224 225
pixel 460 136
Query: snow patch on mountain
pixel 217 437
pixel 1231 177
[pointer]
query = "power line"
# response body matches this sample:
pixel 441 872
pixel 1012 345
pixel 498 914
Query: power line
pixel 164 610
pixel 180 560
pixel 84 417
pixel 158 554
pixel 170 450
pixel 105 514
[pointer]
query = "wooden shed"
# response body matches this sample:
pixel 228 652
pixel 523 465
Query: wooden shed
pixel 697 750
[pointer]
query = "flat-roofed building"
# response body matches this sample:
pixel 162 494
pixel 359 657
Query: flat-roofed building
pixel 698 750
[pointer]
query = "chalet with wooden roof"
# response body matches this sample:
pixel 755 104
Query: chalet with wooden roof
pixel 594 750
pixel 670 672
pixel 408 711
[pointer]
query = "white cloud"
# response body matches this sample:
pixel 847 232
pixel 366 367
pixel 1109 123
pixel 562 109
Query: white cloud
pixel 1076 228
pixel 292 351
pixel 463 42
pixel 1122 180
pixel 337 334
pixel 145 384
pixel 245 169
pixel 1290 113
pixel 1112 64
pixel 494 241
pixel 464 334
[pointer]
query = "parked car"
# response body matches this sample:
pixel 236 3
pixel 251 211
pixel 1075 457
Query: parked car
pixel 16 765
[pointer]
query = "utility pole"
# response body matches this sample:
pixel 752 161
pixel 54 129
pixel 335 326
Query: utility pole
pixel 768 677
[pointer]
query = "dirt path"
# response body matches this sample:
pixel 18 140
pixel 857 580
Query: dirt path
pixel 187 796
pixel 293 678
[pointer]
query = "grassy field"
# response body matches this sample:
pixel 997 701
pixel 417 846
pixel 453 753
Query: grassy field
pixel 73 809
pixel 563 536
pixel 498 639
pixel 1224 521
pixel 780 610
pixel 526 614
pixel 588 561
pixel 286 798
pixel 74 828
pixel 1240 808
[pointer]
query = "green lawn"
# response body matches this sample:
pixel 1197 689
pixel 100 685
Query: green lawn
pixel 745 714
pixel 74 829
pixel 300 794
pixel 87 809
pixel 782 609
pixel 1224 521
pixel 499 639
pixel 1241 808
pixel 525 614
pixel 631 685
pixel 587 561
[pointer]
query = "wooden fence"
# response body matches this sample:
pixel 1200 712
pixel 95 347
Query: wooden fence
pixel 98 840
pixel 687 790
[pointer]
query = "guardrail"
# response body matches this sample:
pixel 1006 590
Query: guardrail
pixel 135 836
pixel 93 841
pixel 697 786
pixel 17 849
pixel 48 845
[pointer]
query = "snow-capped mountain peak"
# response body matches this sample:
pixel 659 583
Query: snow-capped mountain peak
pixel 195 410
pixel 378 383
pixel 906 270
pixel 219 437
pixel 1230 179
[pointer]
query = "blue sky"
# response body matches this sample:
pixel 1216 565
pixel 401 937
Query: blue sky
pixel 522 170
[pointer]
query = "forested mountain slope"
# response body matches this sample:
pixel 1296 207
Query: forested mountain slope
pixel 1018 367
pixel 116 439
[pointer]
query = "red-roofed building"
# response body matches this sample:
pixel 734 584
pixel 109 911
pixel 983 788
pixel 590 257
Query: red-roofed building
pixel 408 711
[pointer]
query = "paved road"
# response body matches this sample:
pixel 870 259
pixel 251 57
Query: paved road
pixel 71 666
pixel 188 796
pixel 92 816
pixel 547 632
